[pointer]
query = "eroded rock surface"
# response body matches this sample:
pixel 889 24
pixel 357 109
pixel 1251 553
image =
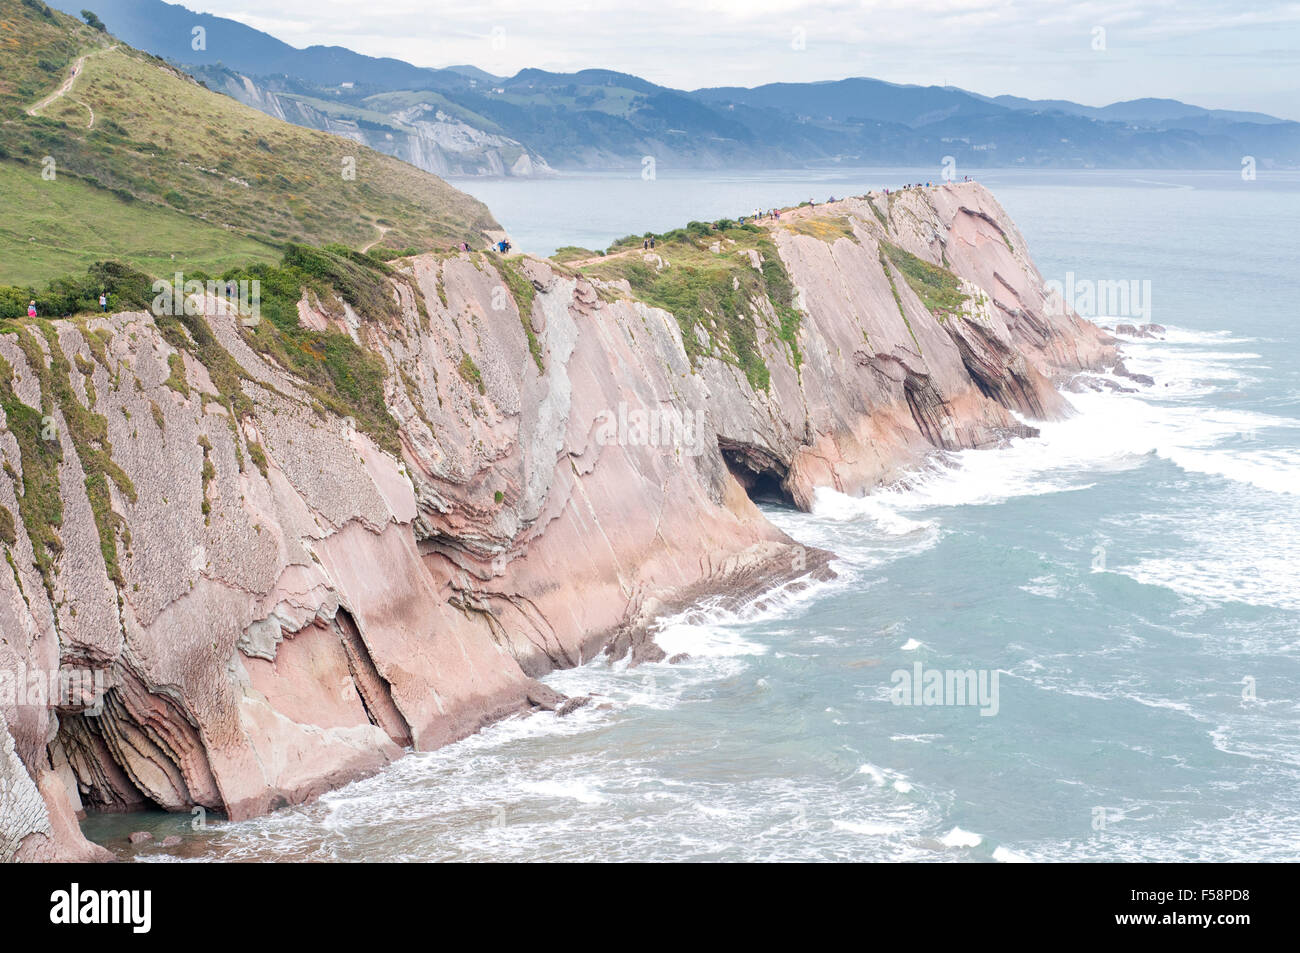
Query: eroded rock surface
pixel 285 607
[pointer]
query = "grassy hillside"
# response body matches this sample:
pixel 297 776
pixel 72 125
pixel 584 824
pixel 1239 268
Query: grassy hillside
pixel 142 155
pixel 56 228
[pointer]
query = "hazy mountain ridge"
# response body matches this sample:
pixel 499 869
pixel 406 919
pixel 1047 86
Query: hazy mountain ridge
pixel 603 118
pixel 429 132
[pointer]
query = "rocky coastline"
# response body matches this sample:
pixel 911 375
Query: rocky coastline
pixel 292 599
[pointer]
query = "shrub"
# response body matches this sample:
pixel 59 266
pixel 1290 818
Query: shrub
pixel 125 287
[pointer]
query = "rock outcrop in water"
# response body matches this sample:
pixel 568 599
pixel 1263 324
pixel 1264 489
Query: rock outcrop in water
pixel 239 614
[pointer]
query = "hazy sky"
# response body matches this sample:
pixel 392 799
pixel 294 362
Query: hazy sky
pixel 1235 55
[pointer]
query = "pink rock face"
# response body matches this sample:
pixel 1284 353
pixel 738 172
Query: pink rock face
pixel 347 605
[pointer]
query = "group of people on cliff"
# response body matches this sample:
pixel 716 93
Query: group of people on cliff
pixel 501 246
pixel 921 185
pixel 772 214
pixel 103 304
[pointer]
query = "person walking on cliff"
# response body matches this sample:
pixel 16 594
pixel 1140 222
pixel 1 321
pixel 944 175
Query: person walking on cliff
pixel 103 301
pixel 31 309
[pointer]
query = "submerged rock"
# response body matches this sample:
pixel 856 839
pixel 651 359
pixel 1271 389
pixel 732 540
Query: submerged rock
pixel 572 705
pixel 1119 370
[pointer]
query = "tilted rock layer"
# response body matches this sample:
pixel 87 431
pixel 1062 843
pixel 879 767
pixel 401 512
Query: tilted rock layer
pixel 290 607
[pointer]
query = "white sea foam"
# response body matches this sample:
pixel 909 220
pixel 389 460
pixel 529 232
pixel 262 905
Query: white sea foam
pixel 699 637
pixel 1178 335
pixel 830 504
pixel 574 789
pixel 960 838
pixel 1166 703
pixel 1250 561
pixel 1267 832
pixel 1277 471
pixel 712 631
pixel 1046 586
pixel 886 778
pixel 877 776
pixel 1236 557
pixel 1004 856
pixel 1275 744
pixel 867 827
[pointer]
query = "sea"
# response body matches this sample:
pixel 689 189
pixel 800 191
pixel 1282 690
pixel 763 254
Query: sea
pixel 1084 646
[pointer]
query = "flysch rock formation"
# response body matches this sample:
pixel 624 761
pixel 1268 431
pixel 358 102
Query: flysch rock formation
pixel 310 623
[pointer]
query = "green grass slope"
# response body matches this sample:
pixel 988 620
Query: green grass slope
pixel 141 153
pixel 56 228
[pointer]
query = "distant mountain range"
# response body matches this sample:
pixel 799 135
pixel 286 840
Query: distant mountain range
pixel 462 120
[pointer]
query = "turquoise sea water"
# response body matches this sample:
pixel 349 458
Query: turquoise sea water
pixel 1132 577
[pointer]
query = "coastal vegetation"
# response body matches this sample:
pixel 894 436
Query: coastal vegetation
pixel 938 288
pixel 722 282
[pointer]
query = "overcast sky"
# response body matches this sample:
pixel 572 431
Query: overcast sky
pixel 1226 54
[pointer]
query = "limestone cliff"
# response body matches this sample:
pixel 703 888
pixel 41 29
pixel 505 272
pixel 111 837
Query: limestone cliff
pixel 277 600
pixel 418 132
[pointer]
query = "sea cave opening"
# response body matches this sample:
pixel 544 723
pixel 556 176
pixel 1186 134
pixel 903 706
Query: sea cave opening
pixel 761 475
